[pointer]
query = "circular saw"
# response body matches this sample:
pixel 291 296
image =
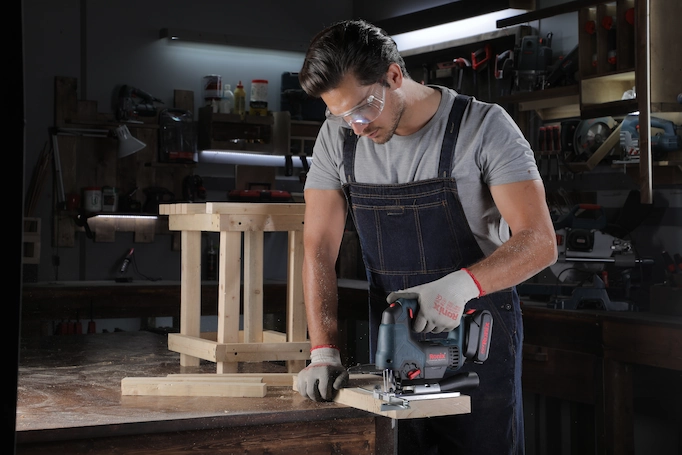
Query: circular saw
pixel 590 134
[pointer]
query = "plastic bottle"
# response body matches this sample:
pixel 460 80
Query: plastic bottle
pixel 240 99
pixel 227 101
pixel 258 104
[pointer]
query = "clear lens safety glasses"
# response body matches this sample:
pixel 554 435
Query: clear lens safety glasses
pixel 365 112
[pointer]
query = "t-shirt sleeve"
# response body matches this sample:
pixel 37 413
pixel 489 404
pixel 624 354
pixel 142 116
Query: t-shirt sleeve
pixel 505 154
pixel 325 169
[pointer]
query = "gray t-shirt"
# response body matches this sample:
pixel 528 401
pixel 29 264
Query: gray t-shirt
pixel 491 150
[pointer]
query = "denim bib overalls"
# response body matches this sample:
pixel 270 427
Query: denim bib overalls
pixel 414 233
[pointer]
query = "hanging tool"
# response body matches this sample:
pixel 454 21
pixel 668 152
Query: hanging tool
pixel 81 220
pixel 131 103
pixel 563 72
pixel 425 366
pixel 504 66
pixel 534 57
pixel 122 278
pixel 479 62
pixel 446 69
pixel 460 63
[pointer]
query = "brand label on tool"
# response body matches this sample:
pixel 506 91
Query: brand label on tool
pixel 437 358
pixel 483 350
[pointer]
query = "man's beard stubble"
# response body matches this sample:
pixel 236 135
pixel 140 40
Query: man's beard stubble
pixel 397 115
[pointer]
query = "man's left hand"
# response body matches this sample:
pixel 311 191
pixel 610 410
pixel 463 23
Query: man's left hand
pixel 441 302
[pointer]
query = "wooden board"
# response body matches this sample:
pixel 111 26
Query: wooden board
pixel 194 387
pixel 359 395
pixel 271 379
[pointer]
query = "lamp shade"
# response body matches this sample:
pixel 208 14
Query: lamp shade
pixel 127 144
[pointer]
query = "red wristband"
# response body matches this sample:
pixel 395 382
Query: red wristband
pixel 478 285
pixel 333 346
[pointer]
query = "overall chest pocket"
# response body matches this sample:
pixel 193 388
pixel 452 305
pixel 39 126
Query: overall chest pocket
pixel 406 239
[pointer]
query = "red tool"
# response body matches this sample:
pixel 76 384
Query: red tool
pixel 670 265
pixel 459 64
pixel 479 61
pixel 678 262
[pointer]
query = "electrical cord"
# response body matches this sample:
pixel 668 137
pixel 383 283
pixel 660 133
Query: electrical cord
pixel 137 271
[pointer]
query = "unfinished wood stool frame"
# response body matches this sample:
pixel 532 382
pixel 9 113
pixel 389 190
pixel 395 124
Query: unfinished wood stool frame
pixel 229 346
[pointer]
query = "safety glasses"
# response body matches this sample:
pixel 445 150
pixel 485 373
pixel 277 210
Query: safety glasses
pixel 365 112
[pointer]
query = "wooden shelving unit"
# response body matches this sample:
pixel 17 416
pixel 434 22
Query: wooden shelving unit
pixel 640 52
pixel 92 161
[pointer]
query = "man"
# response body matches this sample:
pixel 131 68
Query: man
pixel 435 183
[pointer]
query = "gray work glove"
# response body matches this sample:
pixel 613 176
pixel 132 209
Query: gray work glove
pixel 320 380
pixel 441 302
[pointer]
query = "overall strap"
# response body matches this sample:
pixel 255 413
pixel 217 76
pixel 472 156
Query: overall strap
pixel 349 155
pixel 447 152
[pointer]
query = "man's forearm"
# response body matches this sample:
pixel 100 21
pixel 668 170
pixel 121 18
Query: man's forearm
pixel 522 256
pixel 321 301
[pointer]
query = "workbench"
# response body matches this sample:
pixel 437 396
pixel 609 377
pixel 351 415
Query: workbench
pixel 585 357
pixel 70 402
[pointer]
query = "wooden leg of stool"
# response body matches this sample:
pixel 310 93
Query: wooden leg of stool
pixel 190 290
pixel 297 327
pixel 253 286
pixel 229 286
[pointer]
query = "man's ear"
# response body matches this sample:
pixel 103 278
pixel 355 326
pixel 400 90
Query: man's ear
pixel 394 76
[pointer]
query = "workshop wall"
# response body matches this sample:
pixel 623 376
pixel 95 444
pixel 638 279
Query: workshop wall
pixel 106 44
pixel 103 45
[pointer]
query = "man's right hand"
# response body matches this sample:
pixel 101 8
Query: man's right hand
pixel 320 380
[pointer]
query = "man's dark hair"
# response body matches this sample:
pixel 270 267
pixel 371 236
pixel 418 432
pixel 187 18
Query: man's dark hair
pixel 348 47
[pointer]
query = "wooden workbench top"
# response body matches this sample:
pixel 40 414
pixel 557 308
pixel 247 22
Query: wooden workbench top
pixel 70 387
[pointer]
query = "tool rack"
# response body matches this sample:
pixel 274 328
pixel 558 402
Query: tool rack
pixel 241 226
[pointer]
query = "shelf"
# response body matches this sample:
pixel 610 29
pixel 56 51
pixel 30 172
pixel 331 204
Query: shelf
pixel 250 133
pixel 550 104
pixel 544 13
pixel 610 109
pixel 104 228
pixel 602 95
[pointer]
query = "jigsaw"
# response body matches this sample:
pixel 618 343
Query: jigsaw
pixel 425 366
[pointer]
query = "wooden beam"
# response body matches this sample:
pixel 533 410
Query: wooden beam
pixel 271 379
pixel 235 222
pixel 297 326
pixel 253 286
pixel 193 387
pixel 190 290
pixel 237 352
